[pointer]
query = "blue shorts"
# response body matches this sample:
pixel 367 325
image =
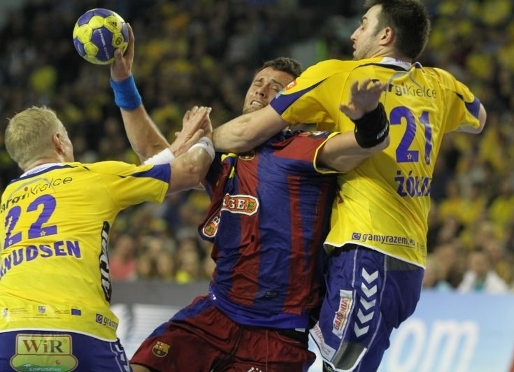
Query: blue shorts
pixel 29 350
pixel 368 295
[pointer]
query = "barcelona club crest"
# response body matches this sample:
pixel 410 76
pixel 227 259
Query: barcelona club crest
pixel 160 349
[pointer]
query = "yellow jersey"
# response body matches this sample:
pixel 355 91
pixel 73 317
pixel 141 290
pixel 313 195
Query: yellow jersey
pixel 383 204
pixel 54 268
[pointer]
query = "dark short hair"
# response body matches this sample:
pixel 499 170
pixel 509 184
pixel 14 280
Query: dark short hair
pixel 410 21
pixel 285 64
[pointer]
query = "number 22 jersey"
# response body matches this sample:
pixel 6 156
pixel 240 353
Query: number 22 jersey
pixel 54 271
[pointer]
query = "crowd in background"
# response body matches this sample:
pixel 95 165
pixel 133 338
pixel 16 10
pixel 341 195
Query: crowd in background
pixel 205 52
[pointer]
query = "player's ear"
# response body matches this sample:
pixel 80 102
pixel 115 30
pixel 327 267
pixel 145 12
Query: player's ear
pixel 57 141
pixel 386 36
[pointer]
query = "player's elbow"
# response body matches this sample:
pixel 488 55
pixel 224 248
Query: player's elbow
pixel 188 170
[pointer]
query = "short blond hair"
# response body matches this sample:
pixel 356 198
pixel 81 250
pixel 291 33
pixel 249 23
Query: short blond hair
pixel 28 135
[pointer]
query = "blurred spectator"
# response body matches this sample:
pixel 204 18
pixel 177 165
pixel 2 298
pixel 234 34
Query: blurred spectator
pixel 481 276
pixel 146 268
pixel 189 268
pixel 190 258
pixel 451 258
pixel 165 266
pixel 433 279
pixel 122 259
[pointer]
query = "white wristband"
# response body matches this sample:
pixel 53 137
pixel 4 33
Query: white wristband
pixel 163 157
pixel 206 144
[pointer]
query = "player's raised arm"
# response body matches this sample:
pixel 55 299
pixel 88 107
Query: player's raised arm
pixel 192 152
pixel 144 136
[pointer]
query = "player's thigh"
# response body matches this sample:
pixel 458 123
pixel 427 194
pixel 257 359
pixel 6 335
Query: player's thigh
pixel 179 348
pixel 60 350
pixel 272 351
pixel 368 295
pixel 194 339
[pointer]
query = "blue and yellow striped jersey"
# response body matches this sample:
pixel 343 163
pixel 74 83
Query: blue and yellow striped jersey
pixel 54 270
pixel 383 204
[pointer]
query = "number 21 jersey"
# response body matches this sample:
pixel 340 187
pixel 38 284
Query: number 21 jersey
pixel 384 203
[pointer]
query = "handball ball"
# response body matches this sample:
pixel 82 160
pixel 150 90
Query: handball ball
pixel 98 33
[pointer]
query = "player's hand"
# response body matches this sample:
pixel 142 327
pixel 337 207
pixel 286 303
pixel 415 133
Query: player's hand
pixel 121 68
pixel 207 125
pixel 194 124
pixel 364 98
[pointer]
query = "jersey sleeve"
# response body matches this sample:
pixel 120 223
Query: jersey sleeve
pixel 129 184
pixel 315 96
pixel 463 106
pixel 302 150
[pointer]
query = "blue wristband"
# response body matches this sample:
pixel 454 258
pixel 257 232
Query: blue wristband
pixel 126 94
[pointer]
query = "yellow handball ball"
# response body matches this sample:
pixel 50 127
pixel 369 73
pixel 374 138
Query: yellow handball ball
pixel 98 33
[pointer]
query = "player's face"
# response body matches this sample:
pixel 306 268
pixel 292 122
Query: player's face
pixel 365 38
pixel 265 86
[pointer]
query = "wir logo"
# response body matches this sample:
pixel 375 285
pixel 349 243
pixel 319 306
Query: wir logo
pixel 51 352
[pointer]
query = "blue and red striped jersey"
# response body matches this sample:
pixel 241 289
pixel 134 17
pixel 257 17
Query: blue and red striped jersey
pixel 268 217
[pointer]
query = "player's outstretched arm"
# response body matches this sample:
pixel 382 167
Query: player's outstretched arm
pixel 144 136
pixel 346 151
pixel 248 131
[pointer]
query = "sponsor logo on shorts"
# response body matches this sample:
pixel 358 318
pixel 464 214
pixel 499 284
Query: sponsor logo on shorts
pixel 317 335
pixel 341 315
pixel 48 353
pixel 160 349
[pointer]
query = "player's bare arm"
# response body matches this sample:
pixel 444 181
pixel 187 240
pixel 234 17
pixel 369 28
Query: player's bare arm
pixel 144 136
pixel 346 151
pixel 248 131
pixel 190 168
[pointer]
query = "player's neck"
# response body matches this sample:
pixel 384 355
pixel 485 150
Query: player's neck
pixel 40 165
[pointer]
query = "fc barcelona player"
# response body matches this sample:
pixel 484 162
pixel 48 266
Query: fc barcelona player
pixel 377 240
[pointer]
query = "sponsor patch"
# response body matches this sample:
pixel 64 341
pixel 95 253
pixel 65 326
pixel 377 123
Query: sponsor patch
pixel 49 353
pixel 341 315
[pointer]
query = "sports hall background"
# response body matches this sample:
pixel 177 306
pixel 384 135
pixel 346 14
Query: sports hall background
pixel 204 52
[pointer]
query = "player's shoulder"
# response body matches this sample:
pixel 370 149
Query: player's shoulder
pixel 333 66
pixel 442 76
pixel 114 166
